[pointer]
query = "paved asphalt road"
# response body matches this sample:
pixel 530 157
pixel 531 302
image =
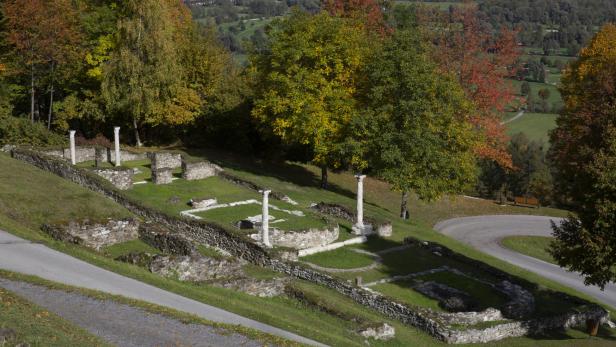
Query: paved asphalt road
pixel 22 256
pixel 485 232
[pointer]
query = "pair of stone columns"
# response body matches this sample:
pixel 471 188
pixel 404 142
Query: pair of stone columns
pixel 116 133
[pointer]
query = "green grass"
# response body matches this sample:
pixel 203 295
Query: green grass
pixel 127 247
pixel 533 246
pixel 341 258
pixel 38 327
pixel 555 97
pixel 535 126
pixel 299 182
pixel 402 292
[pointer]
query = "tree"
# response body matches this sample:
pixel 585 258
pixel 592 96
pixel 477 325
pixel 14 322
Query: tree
pixel 525 88
pixel 368 12
pixel 482 60
pixel 306 82
pixel 44 35
pixel 416 134
pixel 583 153
pixel 544 94
pixel 144 79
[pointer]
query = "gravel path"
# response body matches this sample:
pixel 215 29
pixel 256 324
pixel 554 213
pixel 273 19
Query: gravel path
pixel 121 324
pixel 485 233
pixel 19 255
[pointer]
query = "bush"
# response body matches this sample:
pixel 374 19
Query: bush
pixel 20 131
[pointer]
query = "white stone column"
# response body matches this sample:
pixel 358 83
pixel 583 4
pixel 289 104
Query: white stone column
pixel 116 134
pixel 359 225
pixel 71 135
pixel 265 219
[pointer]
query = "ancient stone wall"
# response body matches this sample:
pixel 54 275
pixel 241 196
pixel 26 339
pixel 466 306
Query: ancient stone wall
pixel 94 234
pixel 240 246
pixel 199 170
pixel 121 178
pixel 304 239
pixel 162 176
pixel 165 160
pixel 125 155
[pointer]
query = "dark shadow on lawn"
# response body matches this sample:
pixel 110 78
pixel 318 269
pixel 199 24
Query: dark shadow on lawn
pixel 280 170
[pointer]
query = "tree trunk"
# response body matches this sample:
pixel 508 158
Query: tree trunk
pixel 324 177
pixel 137 138
pixel 50 98
pixel 32 93
pixel 403 205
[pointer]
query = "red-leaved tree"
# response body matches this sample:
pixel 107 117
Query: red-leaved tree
pixel 483 60
pixel 370 12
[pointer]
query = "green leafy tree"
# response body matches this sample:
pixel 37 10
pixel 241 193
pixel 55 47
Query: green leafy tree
pixel 307 81
pixel 418 137
pixel 583 153
pixel 525 88
pixel 144 79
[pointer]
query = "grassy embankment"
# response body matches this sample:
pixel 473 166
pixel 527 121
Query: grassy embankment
pixel 38 327
pixel 24 188
pixel 533 246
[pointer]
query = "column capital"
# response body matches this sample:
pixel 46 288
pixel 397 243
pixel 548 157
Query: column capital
pixel 265 191
pixel 116 129
pixel 72 132
pixel 360 177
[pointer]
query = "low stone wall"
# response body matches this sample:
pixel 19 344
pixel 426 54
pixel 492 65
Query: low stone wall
pixel 82 153
pixel 383 229
pixel 304 239
pixel 164 240
pixel 199 170
pixel 125 155
pixel 240 246
pixel 121 178
pixel 95 235
pixel 100 156
pixel 165 160
pixel 162 176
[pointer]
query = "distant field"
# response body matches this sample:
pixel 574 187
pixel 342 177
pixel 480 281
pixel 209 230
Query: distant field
pixel 535 125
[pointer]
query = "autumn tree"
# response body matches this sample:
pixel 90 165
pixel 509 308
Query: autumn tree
pixel 44 35
pixel 144 79
pixel 368 12
pixel 482 61
pixel 417 137
pixel 307 82
pixel 583 152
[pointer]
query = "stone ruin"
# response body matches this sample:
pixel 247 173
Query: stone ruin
pixel 302 239
pixel 164 160
pixel 96 235
pixel 199 170
pixel 162 176
pixel 121 178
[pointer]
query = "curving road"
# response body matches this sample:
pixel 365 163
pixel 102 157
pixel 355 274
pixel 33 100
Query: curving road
pixel 485 233
pixel 19 255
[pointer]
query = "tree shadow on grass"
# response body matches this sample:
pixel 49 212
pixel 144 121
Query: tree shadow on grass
pixel 283 171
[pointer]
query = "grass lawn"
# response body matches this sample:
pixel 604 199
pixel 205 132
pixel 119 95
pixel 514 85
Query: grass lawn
pixel 127 247
pixel 536 126
pixel 38 327
pixel 341 258
pixel 23 216
pixel 533 246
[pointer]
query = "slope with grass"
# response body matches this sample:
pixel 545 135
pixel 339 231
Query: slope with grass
pixel 300 182
pixel 532 246
pixel 536 126
pixel 38 327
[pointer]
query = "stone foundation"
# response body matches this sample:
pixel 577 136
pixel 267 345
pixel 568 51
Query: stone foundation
pixel 94 235
pixel 164 240
pixel 165 160
pixel 121 178
pixel 125 155
pixel 302 239
pixel 100 156
pixel 260 288
pixel 450 299
pixel 199 170
pixel 522 302
pixel 195 268
pixel 162 176
pixel 203 202
pixel 383 332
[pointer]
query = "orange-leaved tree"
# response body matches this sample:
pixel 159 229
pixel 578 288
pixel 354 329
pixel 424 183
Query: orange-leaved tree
pixel 483 60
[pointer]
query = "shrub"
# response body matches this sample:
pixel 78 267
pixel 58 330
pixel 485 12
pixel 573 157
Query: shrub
pixel 20 131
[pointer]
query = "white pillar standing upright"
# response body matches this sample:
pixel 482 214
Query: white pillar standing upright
pixel 359 225
pixel 71 135
pixel 116 135
pixel 265 219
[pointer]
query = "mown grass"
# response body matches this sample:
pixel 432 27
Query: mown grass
pixel 38 327
pixel 533 246
pixel 536 126
pixel 341 258
pixel 281 312
pixel 124 248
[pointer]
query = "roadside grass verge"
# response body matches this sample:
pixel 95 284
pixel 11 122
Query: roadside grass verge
pixel 152 308
pixel 38 327
pixel 532 246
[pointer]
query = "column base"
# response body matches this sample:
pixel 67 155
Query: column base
pixel 364 229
